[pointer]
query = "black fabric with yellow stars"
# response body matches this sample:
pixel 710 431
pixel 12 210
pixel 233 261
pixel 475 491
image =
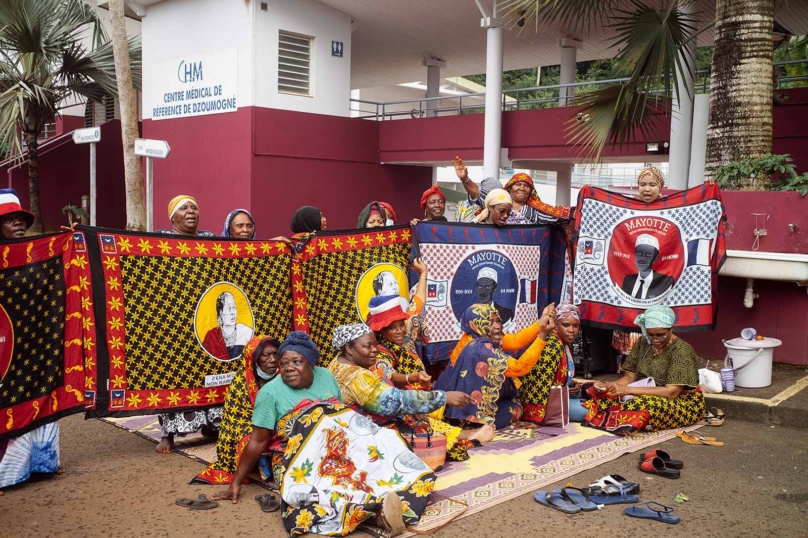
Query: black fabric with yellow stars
pixel 330 281
pixel 161 294
pixel 34 298
pixel 535 389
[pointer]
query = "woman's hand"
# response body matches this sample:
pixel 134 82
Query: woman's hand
pixel 423 378
pixel 231 494
pixel 460 169
pixel 413 222
pixel 575 388
pixel 547 321
pixel 419 265
pixel 457 399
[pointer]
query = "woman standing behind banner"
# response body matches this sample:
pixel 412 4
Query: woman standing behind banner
pixel 239 224
pixel 376 215
pixel 183 212
pixel 498 210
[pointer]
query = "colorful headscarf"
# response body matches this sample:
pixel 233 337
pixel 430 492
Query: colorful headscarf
pixel 364 216
pixel 656 317
pixel 300 342
pixel 567 311
pixel 561 212
pixel 429 193
pixel 229 219
pixel 250 354
pixel 391 214
pixel 495 197
pixel 655 172
pixel 307 219
pixel 177 201
pixel 345 334
pixel 475 323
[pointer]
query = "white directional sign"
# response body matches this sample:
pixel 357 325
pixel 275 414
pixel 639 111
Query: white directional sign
pixel 152 148
pixel 87 136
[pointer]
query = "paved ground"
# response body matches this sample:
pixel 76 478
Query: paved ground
pixel 116 485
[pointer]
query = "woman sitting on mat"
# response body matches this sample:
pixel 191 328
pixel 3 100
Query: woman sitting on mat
pixel 260 366
pixel 480 367
pixel 336 469
pixel 554 369
pixel 675 401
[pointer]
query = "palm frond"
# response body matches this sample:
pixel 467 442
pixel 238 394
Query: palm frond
pixel 571 14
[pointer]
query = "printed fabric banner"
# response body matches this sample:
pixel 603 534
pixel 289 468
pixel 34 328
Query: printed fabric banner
pixel 47 332
pixel 631 255
pixel 518 269
pixel 336 273
pixel 177 312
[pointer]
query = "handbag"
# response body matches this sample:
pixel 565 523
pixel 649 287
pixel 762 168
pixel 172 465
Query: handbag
pixel 557 412
pixel 709 381
pixel 428 445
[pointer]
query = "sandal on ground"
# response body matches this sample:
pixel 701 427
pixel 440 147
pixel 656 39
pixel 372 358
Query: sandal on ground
pixel 200 503
pixel 612 495
pixel 694 434
pixel 692 439
pixel 557 499
pixel 617 481
pixel 717 412
pixel 579 497
pixel 657 466
pixel 653 510
pixel 269 503
pixel 712 418
pixel 391 518
pixel 664 456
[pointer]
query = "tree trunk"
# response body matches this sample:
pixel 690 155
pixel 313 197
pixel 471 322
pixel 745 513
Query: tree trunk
pixel 135 198
pixel 33 181
pixel 741 87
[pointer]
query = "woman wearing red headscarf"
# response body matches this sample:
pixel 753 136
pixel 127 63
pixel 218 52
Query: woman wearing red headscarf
pixel 433 203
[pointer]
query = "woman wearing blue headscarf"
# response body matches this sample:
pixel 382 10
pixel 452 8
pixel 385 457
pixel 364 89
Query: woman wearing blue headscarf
pixel 674 401
pixel 239 224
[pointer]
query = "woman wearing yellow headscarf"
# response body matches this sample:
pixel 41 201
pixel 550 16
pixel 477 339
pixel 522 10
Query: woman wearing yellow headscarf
pixel 183 212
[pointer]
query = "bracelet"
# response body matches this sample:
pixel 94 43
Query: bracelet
pixel 408 378
pixel 422 277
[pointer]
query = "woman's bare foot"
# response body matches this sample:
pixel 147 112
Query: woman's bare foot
pixel 483 434
pixel 166 445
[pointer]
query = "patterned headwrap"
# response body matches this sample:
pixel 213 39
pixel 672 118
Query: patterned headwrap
pixel 344 334
pixel 475 323
pixel 655 172
pixel 301 343
pixel 567 310
pixel 177 201
pixel 229 219
pixel 251 353
pixel 561 212
pixel 656 317
pixel 495 197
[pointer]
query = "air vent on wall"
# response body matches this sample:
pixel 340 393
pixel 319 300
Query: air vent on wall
pixel 294 64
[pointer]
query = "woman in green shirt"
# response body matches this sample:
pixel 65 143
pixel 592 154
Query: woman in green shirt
pixel 674 402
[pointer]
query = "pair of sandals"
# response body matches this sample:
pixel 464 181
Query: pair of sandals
pixel 713 417
pixel 613 489
pixel 268 503
pixel 696 438
pixel 660 463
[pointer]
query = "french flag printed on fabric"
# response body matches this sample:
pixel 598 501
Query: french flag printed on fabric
pixel 699 252
pixel 527 291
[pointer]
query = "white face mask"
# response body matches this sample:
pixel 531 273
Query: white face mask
pixel 263 375
pixel 390 223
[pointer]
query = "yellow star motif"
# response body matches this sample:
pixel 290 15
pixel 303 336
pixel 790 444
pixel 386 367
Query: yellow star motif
pixel 250 248
pixel 405 235
pixel 110 263
pixel 393 236
pixel 88 344
pixel 266 248
pixel 117 361
pixel 352 242
pixel 84 282
pixel 117 382
pixel 116 343
pixel 280 246
pixel 212 396
pixel 301 319
pixel 300 303
pixel 88 363
pixel 201 248
pixel 153 399
pixel 193 397
pixel 183 248
pixel 367 240
pixel 336 243
pixel 145 246
pixel 296 269
pixel 134 400
pixel 235 250
pixel 115 303
pixel 113 283
pixel 217 248
pixel 86 323
pixel 174 398
pixel 115 324
pixel 88 383
pixel 380 238
pixel 85 303
pixel 124 245
pixel 322 244
pixel 299 287
pixel 78 261
pixel 310 249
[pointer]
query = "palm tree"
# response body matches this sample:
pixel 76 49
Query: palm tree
pixel 44 68
pixel 135 202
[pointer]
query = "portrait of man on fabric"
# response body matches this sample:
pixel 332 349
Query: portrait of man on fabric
pixel 646 283
pixel 226 341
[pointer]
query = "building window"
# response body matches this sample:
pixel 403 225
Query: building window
pixel 89 114
pixel 294 64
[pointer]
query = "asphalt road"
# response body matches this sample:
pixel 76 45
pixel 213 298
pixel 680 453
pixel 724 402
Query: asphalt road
pixel 116 485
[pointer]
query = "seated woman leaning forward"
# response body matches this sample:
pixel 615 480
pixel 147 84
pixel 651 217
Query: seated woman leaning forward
pixel 554 369
pixel 336 469
pixel 479 366
pixel 387 404
pixel 260 366
pixel 675 401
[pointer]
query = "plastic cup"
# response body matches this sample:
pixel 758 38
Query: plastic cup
pixel 748 333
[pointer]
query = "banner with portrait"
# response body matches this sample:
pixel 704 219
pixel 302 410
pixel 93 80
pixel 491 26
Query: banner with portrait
pixel 630 255
pixel 47 332
pixel 517 269
pixel 175 313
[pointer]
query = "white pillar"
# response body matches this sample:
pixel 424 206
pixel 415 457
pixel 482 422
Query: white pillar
pixel 433 66
pixel 682 118
pixel 564 184
pixel 569 52
pixel 698 143
pixel 493 98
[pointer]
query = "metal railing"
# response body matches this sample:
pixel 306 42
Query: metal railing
pixel 514 99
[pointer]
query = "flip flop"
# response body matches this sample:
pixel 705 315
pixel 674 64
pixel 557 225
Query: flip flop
pixel 558 500
pixel 269 503
pixel 645 511
pixel 579 497
pixel 695 434
pixel 200 503
pixel 613 495
pixel 617 481
pixel 717 412
pixel 692 439
pixel 664 456
pixel 657 466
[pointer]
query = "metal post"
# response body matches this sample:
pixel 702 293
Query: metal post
pixel 93 185
pixel 149 196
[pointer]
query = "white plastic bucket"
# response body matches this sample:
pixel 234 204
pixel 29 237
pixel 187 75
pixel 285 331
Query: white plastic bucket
pixel 752 361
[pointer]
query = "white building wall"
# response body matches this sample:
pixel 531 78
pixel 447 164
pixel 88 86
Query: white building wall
pixel 331 75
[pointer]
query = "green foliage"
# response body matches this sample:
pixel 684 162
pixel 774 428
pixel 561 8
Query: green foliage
pixel 73 211
pixel 756 174
pixel 792 183
pixel 794 48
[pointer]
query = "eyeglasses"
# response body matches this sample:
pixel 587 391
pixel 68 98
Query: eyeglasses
pixel 661 336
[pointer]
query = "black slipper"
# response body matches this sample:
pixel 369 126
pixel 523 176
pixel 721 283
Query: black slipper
pixel 269 503
pixel 657 466
pixel 200 503
pixel 664 456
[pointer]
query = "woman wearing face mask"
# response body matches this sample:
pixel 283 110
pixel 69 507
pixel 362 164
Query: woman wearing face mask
pixel 674 402
pixel 259 366
pixel 375 215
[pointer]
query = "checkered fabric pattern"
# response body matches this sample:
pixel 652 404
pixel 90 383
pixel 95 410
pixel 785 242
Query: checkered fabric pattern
pixel 696 221
pixel 693 287
pixel 599 219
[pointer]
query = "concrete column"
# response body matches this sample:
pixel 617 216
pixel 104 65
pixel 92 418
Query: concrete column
pixel 698 141
pixel 682 117
pixel 493 98
pixel 569 52
pixel 564 184
pixel 433 66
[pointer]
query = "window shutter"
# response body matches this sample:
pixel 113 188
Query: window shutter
pixel 294 64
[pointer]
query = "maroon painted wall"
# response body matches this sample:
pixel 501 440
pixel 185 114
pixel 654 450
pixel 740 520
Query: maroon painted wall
pixel 790 126
pixel 783 208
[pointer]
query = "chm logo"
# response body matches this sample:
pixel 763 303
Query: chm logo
pixel 189 72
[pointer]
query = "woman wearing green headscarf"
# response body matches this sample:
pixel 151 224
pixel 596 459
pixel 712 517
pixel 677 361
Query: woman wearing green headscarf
pixel 674 402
